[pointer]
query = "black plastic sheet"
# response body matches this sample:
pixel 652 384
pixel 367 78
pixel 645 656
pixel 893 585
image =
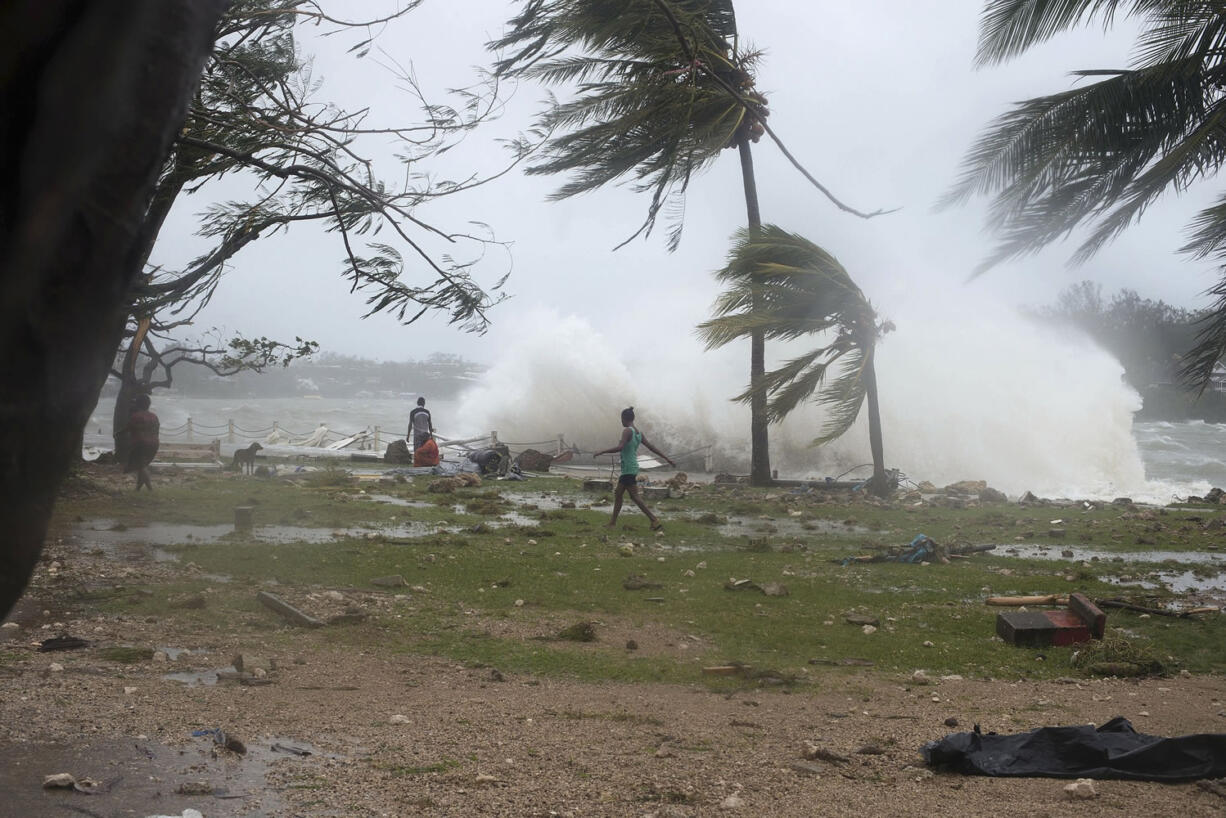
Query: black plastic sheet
pixel 1114 750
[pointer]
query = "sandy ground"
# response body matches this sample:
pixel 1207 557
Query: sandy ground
pixel 475 741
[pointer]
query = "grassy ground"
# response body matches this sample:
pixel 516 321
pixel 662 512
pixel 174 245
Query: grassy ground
pixel 487 589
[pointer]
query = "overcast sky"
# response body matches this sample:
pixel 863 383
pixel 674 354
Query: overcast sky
pixel 878 99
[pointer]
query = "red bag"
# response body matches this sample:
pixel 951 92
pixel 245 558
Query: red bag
pixel 426 454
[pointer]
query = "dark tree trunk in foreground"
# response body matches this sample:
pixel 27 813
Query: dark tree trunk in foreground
pixel 879 483
pixel 759 442
pixel 91 97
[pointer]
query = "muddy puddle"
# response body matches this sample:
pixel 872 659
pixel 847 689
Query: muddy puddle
pixel 114 538
pixel 137 777
pixel 786 527
pixel 1153 569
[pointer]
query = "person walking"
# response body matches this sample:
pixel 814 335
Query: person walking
pixel 143 432
pixel 628 448
pixel 421 426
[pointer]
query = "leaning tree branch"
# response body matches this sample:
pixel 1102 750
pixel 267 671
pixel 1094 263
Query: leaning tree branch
pixel 749 107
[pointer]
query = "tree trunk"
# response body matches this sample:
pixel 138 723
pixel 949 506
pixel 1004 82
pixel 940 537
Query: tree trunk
pixel 91 98
pixel 759 457
pixel 129 385
pixel 879 484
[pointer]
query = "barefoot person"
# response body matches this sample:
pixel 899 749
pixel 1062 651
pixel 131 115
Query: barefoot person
pixel 142 441
pixel 629 449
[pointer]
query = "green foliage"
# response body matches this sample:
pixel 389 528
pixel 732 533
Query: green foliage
pixel 644 109
pixel 787 287
pixel 1102 152
pixel 464 587
pixel 255 119
pixel 1148 337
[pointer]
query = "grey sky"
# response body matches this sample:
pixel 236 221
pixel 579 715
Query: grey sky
pixel 878 99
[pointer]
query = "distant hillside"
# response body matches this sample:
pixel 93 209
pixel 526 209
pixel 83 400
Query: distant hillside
pixel 335 376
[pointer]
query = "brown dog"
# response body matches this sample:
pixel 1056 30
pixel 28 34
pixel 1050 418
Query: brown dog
pixel 244 459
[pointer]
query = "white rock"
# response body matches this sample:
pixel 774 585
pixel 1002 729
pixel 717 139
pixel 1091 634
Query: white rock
pixel 128 691
pixel 702 564
pixel 868 630
pixel 519 603
pixel 732 802
pixel 1081 788
pixel 59 780
pixel 398 719
pixel 160 657
pixel 485 778
pixel 953 677
pixel 921 677
pixel 8 626
pixel 55 667
pixel 928 643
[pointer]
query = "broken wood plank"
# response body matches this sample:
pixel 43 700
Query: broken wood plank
pixel 287 610
pixel 1014 601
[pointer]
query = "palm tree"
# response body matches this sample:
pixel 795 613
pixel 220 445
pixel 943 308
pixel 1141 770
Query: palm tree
pixel 785 287
pixel 663 89
pixel 1099 154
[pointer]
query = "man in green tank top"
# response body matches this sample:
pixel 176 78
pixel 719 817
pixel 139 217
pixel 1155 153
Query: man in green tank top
pixel 628 448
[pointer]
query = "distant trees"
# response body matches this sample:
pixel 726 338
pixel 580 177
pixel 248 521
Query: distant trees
pixel 306 162
pixel 345 376
pixel 1103 151
pixel 1148 337
pixel 786 287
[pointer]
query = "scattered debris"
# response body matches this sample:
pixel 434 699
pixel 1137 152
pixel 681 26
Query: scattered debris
pixel 1018 601
pixel 861 619
pixel 813 751
pixel 579 632
pixel 291 749
pixel 223 739
pixel 61 643
pixel 1082 788
pixel 197 787
pixel 1114 750
pixel 1080 622
pixel 288 611
pixel 1118 657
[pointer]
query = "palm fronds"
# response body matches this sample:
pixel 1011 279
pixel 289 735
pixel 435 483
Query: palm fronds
pixel 1102 153
pixel 642 110
pixel 785 286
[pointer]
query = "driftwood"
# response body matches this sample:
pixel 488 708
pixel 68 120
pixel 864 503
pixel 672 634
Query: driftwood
pixel 287 610
pixel 1013 601
pixel 1128 606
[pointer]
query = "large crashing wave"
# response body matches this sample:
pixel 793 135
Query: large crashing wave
pixel 965 394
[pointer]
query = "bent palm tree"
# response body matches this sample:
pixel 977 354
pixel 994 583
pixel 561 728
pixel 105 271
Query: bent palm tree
pixel 785 287
pixel 1101 153
pixel 654 105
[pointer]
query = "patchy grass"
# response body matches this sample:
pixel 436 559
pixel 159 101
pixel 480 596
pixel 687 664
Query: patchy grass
pixel 569 568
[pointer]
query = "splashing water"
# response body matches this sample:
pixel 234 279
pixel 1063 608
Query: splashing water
pixel 982 394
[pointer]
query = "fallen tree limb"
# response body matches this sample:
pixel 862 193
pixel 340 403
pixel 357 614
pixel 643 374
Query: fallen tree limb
pixel 1128 606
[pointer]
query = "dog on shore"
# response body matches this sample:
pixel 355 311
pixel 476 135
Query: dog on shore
pixel 244 459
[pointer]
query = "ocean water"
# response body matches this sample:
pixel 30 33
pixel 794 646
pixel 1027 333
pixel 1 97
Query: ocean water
pixel 1178 458
pixel 966 394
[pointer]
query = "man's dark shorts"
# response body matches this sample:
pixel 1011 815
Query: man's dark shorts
pixel 629 480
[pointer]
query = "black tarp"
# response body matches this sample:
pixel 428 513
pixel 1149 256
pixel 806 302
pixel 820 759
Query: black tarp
pixel 1114 750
